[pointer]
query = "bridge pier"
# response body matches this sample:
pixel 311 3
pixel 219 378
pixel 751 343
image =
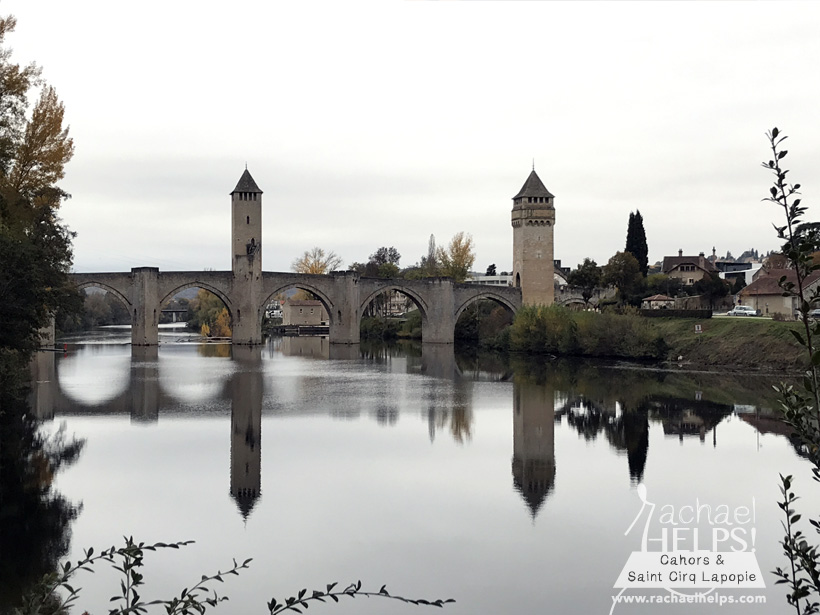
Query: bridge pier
pixel 438 326
pixel 144 298
pixel 346 317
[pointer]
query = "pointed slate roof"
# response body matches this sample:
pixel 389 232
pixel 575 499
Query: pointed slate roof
pixel 245 501
pixel 246 184
pixel 534 187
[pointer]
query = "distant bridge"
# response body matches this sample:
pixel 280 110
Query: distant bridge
pixel 344 294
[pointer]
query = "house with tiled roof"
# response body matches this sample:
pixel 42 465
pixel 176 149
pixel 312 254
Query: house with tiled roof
pixel 687 269
pixel 765 294
pixel 307 312
pixel 658 302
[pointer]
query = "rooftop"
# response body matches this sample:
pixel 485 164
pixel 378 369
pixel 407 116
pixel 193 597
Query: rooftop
pixel 700 261
pixel 533 187
pixel 246 184
pixel 769 284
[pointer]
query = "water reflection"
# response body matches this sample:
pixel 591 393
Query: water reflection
pixel 246 428
pixel 95 374
pixel 317 347
pixel 443 463
pixel 533 462
pixel 594 399
pixel 35 519
pixel 144 384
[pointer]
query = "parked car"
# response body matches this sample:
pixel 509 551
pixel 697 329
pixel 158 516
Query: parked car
pixel 813 314
pixel 743 310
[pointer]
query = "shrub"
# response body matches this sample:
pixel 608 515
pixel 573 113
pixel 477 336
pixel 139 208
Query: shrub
pixel 412 326
pixel 557 330
pixel 376 328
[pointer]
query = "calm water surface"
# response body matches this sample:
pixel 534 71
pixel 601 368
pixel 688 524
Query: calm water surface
pixel 506 485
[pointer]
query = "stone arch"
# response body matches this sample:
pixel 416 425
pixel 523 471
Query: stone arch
pixel 572 302
pixel 319 294
pixel 211 289
pixel 107 288
pixel 413 295
pixel 499 299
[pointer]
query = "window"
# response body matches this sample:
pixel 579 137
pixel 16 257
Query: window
pixel 248 219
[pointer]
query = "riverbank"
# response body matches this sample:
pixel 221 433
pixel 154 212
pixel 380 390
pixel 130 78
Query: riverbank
pixel 750 343
pixel 722 342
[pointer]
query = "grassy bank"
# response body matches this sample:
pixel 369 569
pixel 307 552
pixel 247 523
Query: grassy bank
pixel 757 343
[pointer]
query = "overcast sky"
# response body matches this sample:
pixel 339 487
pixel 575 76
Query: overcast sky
pixel 380 123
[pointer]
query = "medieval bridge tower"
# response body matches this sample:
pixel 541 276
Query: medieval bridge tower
pixel 533 222
pixel 246 263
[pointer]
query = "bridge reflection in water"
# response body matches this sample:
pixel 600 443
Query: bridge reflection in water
pixel 542 395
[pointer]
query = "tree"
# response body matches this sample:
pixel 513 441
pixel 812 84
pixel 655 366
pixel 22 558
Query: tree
pixel 386 256
pixel 586 277
pixel 383 263
pixel 429 264
pixel 636 241
pixel 35 247
pixel 624 273
pixel 800 405
pixel 490 270
pixel 456 260
pixel 740 284
pixel 222 325
pixel 712 287
pixel 316 261
pixel 208 315
pixel 662 284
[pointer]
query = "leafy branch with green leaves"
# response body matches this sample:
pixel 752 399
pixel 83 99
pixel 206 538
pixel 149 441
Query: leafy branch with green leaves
pixel 300 601
pixel 55 594
pixel 800 406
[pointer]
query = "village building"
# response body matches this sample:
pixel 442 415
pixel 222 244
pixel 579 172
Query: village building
pixel 304 312
pixel 658 302
pixel 766 295
pixel 687 269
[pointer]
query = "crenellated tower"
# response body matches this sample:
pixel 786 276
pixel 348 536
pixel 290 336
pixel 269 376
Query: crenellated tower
pixel 533 222
pixel 246 240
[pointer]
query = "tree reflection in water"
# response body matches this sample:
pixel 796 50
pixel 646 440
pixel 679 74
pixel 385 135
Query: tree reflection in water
pixel 35 520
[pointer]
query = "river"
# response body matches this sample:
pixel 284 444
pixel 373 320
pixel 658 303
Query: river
pixel 505 484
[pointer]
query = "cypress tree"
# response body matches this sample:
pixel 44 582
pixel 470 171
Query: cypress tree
pixel 636 241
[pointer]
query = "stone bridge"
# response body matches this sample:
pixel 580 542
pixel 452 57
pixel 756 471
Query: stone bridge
pixel 570 296
pixel 344 294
